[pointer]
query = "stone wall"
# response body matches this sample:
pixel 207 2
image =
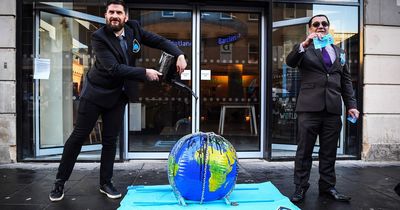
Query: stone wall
pixel 381 117
pixel 7 81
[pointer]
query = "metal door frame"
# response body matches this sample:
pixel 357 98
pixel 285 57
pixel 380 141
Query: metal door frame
pixel 36 121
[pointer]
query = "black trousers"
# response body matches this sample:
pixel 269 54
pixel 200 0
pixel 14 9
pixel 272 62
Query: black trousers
pixel 310 125
pixel 87 116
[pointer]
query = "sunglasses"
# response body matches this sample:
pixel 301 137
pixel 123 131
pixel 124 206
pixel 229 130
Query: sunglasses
pixel 324 24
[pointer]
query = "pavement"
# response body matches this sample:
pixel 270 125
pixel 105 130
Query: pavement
pixel 27 185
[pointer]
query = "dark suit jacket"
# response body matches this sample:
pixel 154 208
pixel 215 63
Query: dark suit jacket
pixel 111 77
pixel 321 87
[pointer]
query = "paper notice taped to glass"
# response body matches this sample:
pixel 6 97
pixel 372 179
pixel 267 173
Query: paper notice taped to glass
pixel 41 68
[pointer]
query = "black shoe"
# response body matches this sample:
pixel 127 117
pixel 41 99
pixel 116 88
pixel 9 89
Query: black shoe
pixel 335 195
pixel 299 194
pixel 397 189
pixel 110 191
pixel 57 193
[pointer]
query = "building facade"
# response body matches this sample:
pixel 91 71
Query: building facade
pixel 381 125
pixel 236 66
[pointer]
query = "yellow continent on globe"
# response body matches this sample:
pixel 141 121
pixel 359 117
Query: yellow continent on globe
pixel 220 164
pixel 173 167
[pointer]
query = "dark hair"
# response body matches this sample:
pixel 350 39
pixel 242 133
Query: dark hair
pixel 320 15
pixel 119 2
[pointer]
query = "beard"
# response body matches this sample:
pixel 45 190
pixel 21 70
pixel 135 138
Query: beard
pixel 116 27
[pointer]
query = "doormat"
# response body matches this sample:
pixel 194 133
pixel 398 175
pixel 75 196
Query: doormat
pixel 246 196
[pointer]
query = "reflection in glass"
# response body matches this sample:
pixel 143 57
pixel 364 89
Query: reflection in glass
pixel 285 84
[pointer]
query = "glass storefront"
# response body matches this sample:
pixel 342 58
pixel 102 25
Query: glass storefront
pixel 64 44
pixel 289 28
pixel 57 54
pixel 227 69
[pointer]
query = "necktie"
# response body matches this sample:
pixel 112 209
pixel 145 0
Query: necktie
pixel 326 57
pixel 124 47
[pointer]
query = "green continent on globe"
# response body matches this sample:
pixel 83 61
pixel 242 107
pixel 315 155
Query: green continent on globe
pixel 220 165
pixel 172 167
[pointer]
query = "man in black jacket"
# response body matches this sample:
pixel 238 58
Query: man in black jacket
pixel 106 91
pixel 325 81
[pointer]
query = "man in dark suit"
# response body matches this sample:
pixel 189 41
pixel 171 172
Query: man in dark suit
pixel 106 90
pixel 325 81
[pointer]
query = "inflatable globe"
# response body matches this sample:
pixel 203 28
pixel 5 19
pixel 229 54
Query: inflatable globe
pixel 202 167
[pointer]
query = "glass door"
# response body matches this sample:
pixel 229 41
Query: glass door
pixel 289 28
pixel 63 56
pixel 162 113
pixel 285 88
pixel 230 78
pixel 285 85
pixel 224 53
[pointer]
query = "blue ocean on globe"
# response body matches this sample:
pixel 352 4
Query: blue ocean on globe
pixel 202 167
